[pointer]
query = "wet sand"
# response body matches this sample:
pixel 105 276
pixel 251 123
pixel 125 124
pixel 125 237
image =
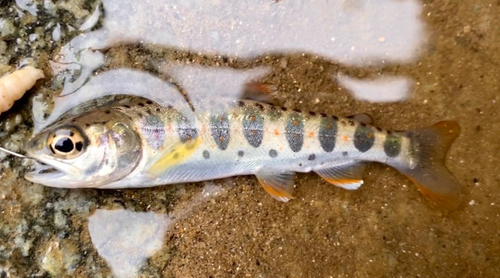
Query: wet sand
pixel 384 229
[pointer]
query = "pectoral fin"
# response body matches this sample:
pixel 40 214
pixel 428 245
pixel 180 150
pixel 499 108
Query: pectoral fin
pixel 347 175
pixel 172 156
pixel 278 183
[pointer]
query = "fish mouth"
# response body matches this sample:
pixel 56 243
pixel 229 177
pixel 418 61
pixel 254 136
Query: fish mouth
pixel 41 173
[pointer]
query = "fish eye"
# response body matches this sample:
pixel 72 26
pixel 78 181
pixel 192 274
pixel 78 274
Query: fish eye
pixel 66 143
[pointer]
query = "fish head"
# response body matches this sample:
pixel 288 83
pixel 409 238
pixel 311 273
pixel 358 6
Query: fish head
pixel 89 150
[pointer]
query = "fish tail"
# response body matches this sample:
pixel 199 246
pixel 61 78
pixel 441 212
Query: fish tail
pixel 435 181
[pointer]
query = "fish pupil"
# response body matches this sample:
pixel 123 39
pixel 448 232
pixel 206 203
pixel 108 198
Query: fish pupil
pixel 64 145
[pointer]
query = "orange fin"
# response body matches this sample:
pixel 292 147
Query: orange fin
pixel 278 183
pixel 259 91
pixel 349 184
pixel 430 174
pixel 347 175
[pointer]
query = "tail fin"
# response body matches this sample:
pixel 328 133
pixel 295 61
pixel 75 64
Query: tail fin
pixel 430 174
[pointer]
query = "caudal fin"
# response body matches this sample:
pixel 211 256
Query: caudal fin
pixel 430 174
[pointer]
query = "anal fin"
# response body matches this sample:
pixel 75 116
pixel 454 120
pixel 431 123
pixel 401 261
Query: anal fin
pixel 278 183
pixel 347 175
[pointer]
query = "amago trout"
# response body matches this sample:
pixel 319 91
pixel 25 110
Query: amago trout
pixel 140 143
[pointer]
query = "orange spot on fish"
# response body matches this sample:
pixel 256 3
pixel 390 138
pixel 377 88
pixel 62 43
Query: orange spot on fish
pixel 280 148
pixel 344 138
pixel 169 127
pixel 295 123
pixel 311 134
pixel 276 132
pixel 203 128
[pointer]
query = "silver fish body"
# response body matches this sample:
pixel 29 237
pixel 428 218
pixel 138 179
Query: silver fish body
pixel 142 144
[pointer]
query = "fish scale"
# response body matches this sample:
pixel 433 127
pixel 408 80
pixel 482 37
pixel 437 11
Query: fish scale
pixel 227 137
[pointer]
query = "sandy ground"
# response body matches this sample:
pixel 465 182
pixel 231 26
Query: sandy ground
pixel 384 229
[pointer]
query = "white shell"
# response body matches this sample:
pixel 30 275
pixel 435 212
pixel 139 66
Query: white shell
pixel 14 85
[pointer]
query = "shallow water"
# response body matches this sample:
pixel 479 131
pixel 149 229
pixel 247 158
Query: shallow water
pixel 407 63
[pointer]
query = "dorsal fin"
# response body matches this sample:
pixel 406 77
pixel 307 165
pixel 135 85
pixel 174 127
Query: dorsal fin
pixel 362 118
pixel 259 91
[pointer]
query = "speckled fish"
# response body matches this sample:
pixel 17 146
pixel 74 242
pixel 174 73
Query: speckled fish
pixel 139 143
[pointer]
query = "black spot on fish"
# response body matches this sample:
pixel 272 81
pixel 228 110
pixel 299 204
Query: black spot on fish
pixel 107 112
pixel 140 104
pixel 258 105
pixel 241 104
pixel 392 145
pixel 149 102
pixel 253 129
pixel 241 153
pixel 323 115
pixel 363 138
pixel 148 111
pixel 273 153
pixel 335 118
pixel 274 113
pixel 294 132
pixel 311 113
pixel 220 130
pixel 126 106
pixel 311 157
pixel 71 134
pixel 284 109
pixel 79 146
pixel 297 110
pixel 153 129
pixel 327 134
pixel 157 109
pixel 185 128
pixel 378 129
pixel 206 154
pixel 139 115
pixel 176 155
pixel 345 153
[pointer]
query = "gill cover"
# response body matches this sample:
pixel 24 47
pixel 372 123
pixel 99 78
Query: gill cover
pixel 88 150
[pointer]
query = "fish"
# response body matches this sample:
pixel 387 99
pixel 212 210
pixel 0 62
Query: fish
pixel 137 143
pixel 14 85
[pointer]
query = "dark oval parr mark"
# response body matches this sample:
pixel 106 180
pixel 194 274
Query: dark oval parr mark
pixel 364 137
pixel 392 145
pixel 327 134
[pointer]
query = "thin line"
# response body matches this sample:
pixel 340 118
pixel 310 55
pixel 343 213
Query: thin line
pixel 13 153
